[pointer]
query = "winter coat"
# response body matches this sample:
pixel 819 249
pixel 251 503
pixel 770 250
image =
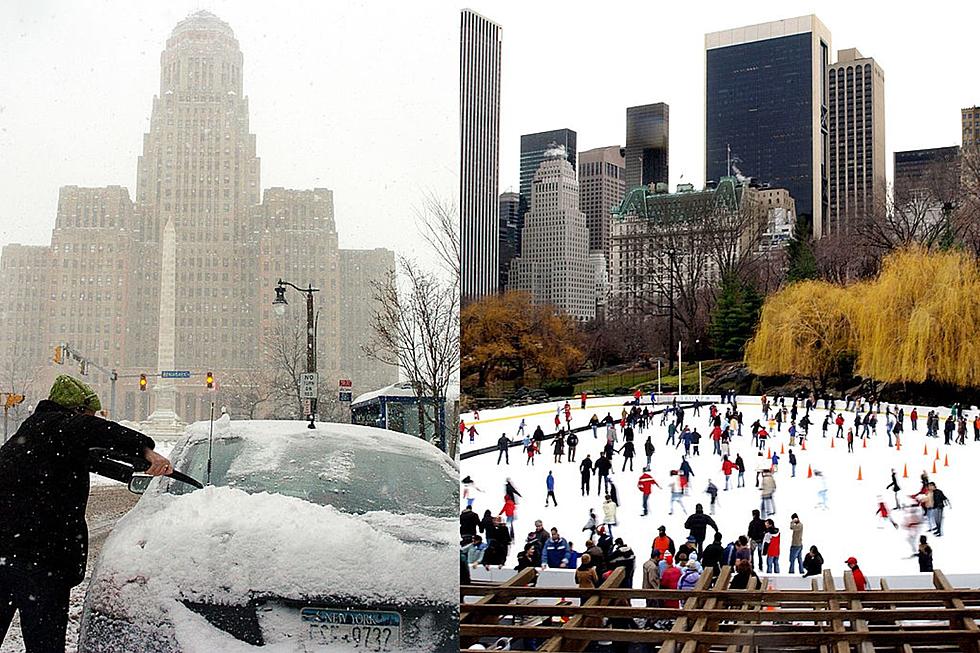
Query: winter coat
pixel 469 521
pixel 586 577
pixel 664 544
pixel 651 577
pixel 646 483
pixel 796 526
pixel 498 540
pixel 602 466
pixel 572 440
pixel 925 557
pixel 770 543
pixel 812 564
pixel 741 579
pixel 756 530
pixel 668 581
pixel 698 524
pixel 609 512
pixel 509 507
pixel 585 467
pixel 556 552
pixel 648 448
pixel 44 487
pixel 768 485
pixel 474 552
pixel 688 579
pixel 550 483
pixel 859 580
pixel 712 556
pixel 727 467
pixel 503 443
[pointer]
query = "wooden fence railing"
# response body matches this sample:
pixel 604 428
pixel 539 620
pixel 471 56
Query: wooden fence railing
pixel 714 619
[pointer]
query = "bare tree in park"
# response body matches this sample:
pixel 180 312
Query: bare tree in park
pixel 284 351
pixel 249 393
pixel 417 328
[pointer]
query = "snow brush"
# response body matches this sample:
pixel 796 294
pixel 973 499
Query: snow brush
pixel 121 468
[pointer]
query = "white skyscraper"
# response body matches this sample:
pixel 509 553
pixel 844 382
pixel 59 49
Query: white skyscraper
pixel 479 103
pixel 554 264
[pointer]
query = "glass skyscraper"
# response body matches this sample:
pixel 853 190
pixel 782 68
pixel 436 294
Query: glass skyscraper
pixel 766 109
pixel 647 144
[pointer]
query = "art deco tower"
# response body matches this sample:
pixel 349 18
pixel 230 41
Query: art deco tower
pixel 199 170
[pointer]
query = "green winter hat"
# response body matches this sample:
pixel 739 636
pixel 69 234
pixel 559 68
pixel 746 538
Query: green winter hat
pixel 69 392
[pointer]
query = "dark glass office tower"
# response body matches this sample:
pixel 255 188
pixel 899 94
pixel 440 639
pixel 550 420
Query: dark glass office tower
pixel 509 234
pixel 533 148
pixel 765 108
pixel 647 141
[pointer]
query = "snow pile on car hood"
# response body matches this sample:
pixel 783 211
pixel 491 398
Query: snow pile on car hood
pixel 224 545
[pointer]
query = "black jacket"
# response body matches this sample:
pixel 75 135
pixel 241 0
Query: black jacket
pixel 756 530
pixel 44 486
pixel 469 521
pixel 812 564
pixel 712 556
pixel 698 525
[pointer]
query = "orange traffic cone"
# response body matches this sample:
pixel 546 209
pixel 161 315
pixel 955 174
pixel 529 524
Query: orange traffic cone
pixel 933 466
pixel 905 471
pixel 859 473
pixel 864 443
pixel 925 450
pixel 832 442
pixel 809 472
pixel 946 461
pixel 781 450
pixel 803 444
pixel 898 444
pixel 769 454
pixel 937 453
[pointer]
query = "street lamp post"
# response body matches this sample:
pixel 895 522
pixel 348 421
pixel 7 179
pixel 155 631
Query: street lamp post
pixel 279 306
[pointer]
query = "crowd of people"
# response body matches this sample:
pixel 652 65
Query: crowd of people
pixel 487 540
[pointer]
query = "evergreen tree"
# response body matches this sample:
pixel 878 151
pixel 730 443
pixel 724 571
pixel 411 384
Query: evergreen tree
pixel 799 251
pixel 734 318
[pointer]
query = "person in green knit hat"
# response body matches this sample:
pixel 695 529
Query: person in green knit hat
pixel 44 487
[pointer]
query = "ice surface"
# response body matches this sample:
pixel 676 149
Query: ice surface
pixel 848 527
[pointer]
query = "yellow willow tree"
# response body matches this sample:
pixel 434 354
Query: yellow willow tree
pixel 920 319
pixel 805 329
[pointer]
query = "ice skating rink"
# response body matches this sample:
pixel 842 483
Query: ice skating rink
pixel 848 527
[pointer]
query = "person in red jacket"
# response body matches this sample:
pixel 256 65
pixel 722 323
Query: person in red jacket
pixel 509 510
pixel 584 396
pixel 716 436
pixel 840 425
pixel 859 580
pixel 727 466
pixel 645 485
pixel 669 578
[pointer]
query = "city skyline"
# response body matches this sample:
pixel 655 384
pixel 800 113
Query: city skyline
pixel 318 123
pixel 915 120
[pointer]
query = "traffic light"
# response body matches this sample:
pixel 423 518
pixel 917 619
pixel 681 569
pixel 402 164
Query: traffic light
pixel 142 382
pixel 59 355
pixel 210 380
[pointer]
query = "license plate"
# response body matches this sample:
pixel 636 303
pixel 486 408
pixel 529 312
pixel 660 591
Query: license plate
pixel 366 630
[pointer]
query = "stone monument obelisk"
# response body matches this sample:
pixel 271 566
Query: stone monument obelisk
pixel 163 421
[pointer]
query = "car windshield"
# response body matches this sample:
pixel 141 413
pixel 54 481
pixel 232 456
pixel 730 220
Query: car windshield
pixel 350 477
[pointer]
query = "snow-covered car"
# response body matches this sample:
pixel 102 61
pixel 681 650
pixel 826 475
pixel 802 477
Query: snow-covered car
pixel 341 538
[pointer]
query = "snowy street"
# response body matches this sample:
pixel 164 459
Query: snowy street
pixel 108 502
pixel 849 526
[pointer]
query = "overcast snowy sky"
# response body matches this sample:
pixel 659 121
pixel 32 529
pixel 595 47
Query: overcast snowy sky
pixel 580 66
pixel 359 97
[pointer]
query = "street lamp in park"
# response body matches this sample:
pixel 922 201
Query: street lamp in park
pixel 309 381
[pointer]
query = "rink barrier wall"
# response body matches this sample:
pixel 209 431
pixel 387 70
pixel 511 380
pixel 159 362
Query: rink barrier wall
pixel 578 429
